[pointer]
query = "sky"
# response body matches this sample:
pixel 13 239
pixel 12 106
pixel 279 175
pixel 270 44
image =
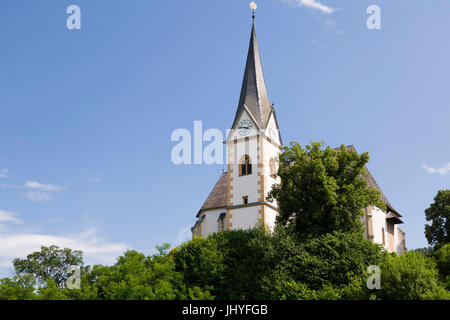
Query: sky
pixel 86 115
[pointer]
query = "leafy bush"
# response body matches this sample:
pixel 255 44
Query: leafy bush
pixel 330 260
pixel 442 257
pixel 229 264
pixel 410 277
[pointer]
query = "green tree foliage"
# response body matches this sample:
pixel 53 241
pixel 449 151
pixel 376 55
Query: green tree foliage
pixel 229 264
pixel 438 233
pixel 251 264
pixel 254 264
pixel 334 260
pixel 133 277
pixel 442 257
pixel 18 288
pixel 410 277
pixel 426 252
pixel 137 277
pixel 323 190
pixel 49 263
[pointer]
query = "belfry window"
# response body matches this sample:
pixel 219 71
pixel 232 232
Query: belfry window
pixel 245 166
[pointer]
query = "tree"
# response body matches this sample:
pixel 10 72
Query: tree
pixel 18 288
pixel 254 264
pixel 438 233
pixel 410 277
pixel 229 264
pixel 137 277
pixel 49 263
pixel 332 260
pixel 322 190
pixel 442 258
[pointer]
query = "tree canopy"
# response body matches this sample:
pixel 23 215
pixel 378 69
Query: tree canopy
pixel 438 233
pixel 322 190
pixel 49 263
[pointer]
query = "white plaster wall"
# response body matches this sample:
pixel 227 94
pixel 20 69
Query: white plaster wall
pixel 244 185
pixel 270 151
pixel 241 147
pixel 271 216
pixel 379 222
pixel 210 224
pixel 398 240
pixel 244 218
pixel 272 124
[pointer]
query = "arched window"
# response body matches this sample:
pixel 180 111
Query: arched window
pixel 221 222
pixel 273 168
pixel 245 166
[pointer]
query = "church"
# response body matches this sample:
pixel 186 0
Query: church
pixel 238 199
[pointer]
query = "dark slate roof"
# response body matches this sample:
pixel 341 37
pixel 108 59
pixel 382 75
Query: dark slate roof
pixel 371 181
pixel 395 217
pixel 254 92
pixel 218 196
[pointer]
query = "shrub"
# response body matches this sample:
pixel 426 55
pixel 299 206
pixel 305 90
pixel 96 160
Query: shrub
pixel 410 277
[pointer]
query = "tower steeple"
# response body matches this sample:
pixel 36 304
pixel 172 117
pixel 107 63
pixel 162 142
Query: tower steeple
pixel 254 92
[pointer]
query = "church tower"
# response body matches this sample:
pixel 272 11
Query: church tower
pixel 253 146
pixel 238 200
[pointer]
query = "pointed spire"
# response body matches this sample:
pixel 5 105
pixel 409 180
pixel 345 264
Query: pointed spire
pixel 253 92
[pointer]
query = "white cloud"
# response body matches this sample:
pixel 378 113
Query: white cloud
pixel 445 169
pixel 38 196
pixel 42 186
pixel 4 173
pixel 19 245
pixel 314 4
pixel 95 178
pixel 8 216
pixel 95 250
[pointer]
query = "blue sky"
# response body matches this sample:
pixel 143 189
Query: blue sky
pixel 86 115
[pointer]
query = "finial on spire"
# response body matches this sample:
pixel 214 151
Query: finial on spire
pixel 253 6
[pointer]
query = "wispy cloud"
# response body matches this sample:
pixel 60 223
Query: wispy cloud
pixel 20 244
pixel 37 196
pixel 8 216
pixel 4 172
pixel 95 178
pixel 314 4
pixel 445 169
pixel 43 194
pixel 95 250
pixel 42 186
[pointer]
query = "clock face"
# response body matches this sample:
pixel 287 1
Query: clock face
pixel 244 127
